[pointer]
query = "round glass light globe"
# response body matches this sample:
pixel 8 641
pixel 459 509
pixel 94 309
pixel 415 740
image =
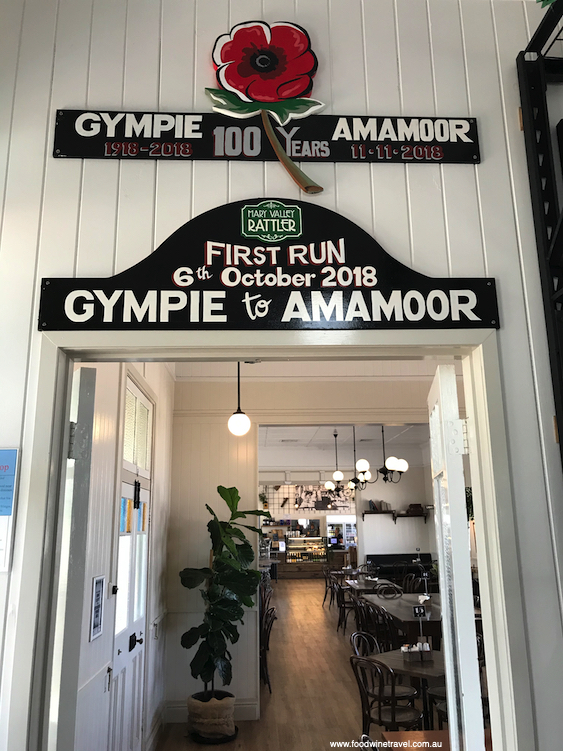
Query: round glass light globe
pixel 402 465
pixel 239 423
pixel 391 463
pixel 362 465
pixel 351 484
pixel 367 475
pixel 329 485
pixel 338 475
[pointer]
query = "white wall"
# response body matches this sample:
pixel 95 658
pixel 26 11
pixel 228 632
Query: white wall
pixel 379 534
pixel 205 455
pixel 74 218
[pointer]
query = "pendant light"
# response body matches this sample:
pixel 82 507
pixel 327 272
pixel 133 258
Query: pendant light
pixel 391 471
pixel 239 423
pixel 337 474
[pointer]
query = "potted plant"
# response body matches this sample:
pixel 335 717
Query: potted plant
pixel 229 584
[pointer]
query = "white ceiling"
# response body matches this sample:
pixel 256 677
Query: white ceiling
pixel 287 447
pixel 334 370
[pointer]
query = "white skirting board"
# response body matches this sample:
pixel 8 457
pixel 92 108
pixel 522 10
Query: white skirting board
pixel 154 734
pixel 177 712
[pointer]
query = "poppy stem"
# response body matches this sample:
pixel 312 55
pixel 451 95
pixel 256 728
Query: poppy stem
pixel 304 182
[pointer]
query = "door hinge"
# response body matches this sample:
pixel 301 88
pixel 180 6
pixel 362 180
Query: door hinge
pixel 456 436
pixel 109 674
pixel 71 441
pixel 136 494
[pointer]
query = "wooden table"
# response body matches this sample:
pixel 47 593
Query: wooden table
pixel 423 670
pixel 401 609
pixel 431 736
pixel 364 585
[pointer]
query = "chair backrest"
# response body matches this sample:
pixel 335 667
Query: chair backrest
pixel 364 644
pixel 399 571
pixel 266 627
pixel 388 591
pixel 373 678
pixel 359 615
pixel 407 582
pixel 377 624
pixel 418 585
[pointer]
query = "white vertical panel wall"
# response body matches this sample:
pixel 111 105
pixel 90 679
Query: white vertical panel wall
pixel 205 455
pixel 67 217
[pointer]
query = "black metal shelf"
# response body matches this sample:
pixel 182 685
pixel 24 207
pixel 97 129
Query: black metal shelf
pixel 404 515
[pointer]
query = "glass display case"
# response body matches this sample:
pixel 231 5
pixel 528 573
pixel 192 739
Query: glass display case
pixel 306 550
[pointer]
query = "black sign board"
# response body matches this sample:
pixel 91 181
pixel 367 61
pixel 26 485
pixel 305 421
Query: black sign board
pixel 418 611
pixel 317 138
pixel 268 264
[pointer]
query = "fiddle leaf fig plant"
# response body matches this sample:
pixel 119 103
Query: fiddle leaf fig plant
pixel 229 584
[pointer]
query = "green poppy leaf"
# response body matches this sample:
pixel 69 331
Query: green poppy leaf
pixel 229 104
pixel 291 109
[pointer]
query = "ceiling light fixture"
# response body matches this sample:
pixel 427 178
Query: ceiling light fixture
pixel 239 423
pixel 337 474
pixel 391 471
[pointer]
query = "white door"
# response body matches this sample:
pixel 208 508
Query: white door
pixel 126 721
pixel 465 717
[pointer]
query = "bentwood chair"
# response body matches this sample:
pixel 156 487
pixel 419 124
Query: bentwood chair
pixel 378 694
pixel 326 574
pixel 265 630
pixel 345 605
pixel 364 644
pixel 358 605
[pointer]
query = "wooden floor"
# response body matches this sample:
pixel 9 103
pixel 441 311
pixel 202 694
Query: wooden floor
pixel 314 697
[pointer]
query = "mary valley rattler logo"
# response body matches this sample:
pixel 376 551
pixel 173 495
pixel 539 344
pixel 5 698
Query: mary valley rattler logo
pixel 271 221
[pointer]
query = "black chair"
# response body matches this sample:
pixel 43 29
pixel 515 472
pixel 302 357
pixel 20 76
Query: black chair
pixel 407 582
pixel 364 644
pixel 268 619
pixel 378 693
pixel 345 605
pixel 326 574
pixel 442 712
pixel 378 625
pixel 389 591
pixel 418 585
pixel 436 695
pixel 358 606
pixel 399 571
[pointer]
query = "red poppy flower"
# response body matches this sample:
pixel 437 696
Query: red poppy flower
pixel 262 63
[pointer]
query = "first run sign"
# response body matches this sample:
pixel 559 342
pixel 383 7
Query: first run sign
pixel 268 264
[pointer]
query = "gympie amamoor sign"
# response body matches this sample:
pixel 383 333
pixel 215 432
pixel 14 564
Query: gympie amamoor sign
pixel 268 264
pixel 317 138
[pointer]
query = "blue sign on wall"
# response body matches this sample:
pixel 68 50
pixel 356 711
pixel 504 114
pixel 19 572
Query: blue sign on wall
pixel 8 466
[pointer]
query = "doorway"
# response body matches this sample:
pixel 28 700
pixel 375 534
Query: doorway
pixel 365 351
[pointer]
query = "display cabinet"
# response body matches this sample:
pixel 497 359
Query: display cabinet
pixel 304 558
pixel 306 550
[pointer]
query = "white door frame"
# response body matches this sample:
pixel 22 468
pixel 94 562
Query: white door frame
pixel 503 622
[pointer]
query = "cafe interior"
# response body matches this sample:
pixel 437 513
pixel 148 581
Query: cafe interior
pixel 352 540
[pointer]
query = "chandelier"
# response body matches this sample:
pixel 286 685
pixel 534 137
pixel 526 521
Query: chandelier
pixel 391 471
